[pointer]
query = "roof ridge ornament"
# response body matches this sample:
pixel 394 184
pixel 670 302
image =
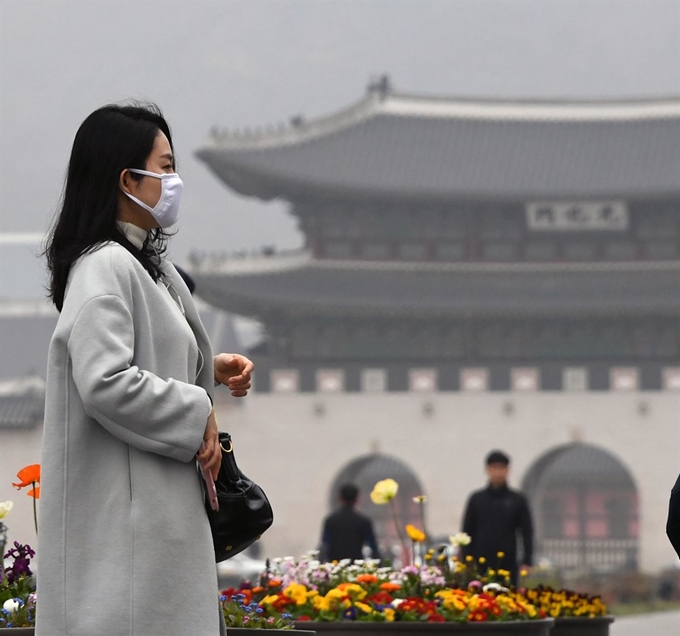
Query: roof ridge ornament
pixel 380 85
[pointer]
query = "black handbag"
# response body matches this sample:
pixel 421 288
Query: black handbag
pixel 244 510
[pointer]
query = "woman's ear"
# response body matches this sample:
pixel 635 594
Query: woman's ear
pixel 125 181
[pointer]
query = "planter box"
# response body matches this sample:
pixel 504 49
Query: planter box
pixel 244 631
pixel 582 626
pixel 354 628
pixel 233 631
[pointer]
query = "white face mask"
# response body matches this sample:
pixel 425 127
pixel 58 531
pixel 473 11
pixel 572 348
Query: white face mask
pixel 166 211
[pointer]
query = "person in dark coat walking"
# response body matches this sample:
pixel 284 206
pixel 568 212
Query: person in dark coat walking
pixel 673 523
pixel 495 517
pixel 346 531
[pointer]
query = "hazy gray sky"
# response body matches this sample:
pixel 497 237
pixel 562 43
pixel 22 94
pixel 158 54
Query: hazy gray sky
pixel 255 62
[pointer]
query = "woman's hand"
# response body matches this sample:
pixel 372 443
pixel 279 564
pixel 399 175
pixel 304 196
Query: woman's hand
pixel 211 456
pixel 234 371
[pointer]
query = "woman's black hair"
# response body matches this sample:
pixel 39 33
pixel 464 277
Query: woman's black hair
pixel 111 139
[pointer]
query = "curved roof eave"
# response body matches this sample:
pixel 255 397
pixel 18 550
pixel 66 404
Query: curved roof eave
pixel 261 184
pixel 428 107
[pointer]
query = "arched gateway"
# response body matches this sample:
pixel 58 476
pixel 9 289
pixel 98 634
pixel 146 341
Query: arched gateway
pixel 365 472
pixel 585 507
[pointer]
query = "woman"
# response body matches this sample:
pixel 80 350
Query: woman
pixel 125 545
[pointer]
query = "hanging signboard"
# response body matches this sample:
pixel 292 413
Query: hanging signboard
pixel 578 216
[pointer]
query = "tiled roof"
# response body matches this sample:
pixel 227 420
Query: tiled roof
pixel 26 329
pixel 322 287
pixel 22 403
pixel 397 145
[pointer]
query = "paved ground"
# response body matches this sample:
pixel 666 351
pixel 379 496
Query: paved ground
pixel 658 624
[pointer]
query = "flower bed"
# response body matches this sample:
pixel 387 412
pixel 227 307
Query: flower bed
pixel 307 590
pixel 364 597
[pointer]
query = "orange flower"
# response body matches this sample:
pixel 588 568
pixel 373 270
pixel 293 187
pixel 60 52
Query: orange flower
pixel 28 476
pixel 257 590
pixel 416 535
pixel 34 492
pixel 367 578
pixel 274 583
pixel 390 587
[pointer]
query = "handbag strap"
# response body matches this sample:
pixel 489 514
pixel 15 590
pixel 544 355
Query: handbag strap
pixel 228 460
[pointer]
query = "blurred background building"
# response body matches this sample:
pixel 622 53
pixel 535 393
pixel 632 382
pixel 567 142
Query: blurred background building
pixel 476 274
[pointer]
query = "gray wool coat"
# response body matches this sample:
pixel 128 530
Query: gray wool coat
pixel 124 542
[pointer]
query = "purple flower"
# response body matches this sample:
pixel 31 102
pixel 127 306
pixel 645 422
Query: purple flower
pixel 22 555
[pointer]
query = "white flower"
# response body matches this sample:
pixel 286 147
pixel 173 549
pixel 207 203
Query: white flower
pixel 289 559
pixel 494 587
pixel 5 507
pixel 359 562
pixel 462 538
pixel 397 602
pixel 11 605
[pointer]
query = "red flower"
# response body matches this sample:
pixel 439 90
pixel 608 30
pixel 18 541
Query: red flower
pixel 435 618
pixel 382 598
pixel 477 616
pixel 304 617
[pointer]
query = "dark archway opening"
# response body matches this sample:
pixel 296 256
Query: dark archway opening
pixel 365 472
pixel 585 507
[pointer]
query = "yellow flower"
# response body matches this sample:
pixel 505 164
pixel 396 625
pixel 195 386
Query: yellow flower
pixel 415 534
pixel 353 590
pixel 482 560
pixel 469 558
pixel 384 491
pixel 441 558
pixel 523 572
pixel 336 593
pixel 500 555
pixel 296 592
pixel 268 600
pixel 363 607
pixel 5 507
pixel 389 614
pixel 322 603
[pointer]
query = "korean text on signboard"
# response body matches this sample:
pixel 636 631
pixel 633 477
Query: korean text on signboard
pixel 580 216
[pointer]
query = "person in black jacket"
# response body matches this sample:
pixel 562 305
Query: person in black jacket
pixel 673 523
pixel 494 517
pixel 346 531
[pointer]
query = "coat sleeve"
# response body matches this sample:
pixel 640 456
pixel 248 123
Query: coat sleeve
pixel 469 527
pixel 673 522
pixel 167 417
pixel 526 527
